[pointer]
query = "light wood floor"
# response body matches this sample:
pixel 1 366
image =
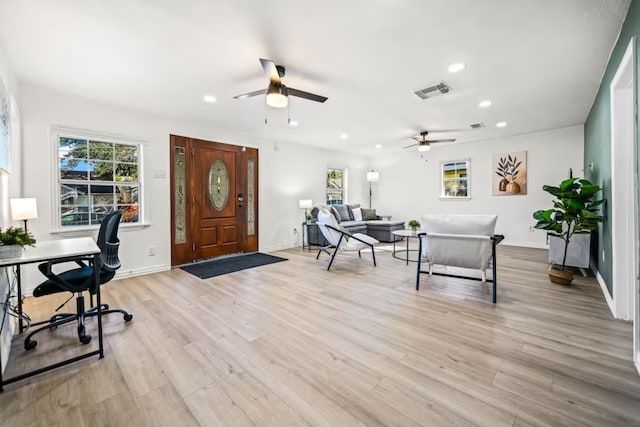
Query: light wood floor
pixel 293 344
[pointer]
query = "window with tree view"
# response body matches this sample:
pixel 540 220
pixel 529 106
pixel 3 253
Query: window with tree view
pixel 97 177
pixel 335 186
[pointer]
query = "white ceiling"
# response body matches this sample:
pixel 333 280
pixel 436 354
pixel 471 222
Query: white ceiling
pixel 539 61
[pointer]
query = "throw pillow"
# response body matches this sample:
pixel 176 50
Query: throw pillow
pixel 343 212
pixel 351 208
pixel 369 214
pixel 335 213
pixel 357 214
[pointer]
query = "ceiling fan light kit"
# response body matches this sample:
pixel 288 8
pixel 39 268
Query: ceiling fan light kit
pixel 424 146
pixel 277 94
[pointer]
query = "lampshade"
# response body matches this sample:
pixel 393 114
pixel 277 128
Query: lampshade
pixel 305 204
pixel 424 146
pixel 277 96
pixel 373 176
pixel 22 209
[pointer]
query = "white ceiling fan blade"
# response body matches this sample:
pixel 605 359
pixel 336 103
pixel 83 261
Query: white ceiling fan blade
pixel 269 67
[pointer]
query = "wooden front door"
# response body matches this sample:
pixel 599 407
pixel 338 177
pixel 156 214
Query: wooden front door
pixel 214 199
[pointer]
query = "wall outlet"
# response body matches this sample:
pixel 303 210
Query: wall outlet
pixel 152 250
pixel 532 228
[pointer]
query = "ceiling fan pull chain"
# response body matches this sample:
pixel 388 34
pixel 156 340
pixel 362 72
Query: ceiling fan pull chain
pixel 265 111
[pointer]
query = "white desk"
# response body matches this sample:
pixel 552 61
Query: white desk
pixel 55 251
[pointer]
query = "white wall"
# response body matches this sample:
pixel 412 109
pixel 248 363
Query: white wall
pixel 10 186
pixel 287 173
pixel 409 186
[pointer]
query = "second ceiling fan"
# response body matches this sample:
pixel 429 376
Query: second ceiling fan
pixel 424 144
pixel 277 93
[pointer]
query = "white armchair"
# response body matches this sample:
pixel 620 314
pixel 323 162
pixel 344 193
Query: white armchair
pixel 340 238
pixel 465 241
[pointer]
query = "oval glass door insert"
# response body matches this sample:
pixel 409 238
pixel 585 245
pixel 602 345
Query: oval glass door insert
pixel 219 185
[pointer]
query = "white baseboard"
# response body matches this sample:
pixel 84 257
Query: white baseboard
pixel 141 271
pixel 280 247
pixel 525 244
pixel 603 286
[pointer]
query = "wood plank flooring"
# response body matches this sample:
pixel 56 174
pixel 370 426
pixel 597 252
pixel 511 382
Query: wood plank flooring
pixel 293 344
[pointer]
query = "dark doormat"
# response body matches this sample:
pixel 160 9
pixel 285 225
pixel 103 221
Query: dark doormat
pixel 220 266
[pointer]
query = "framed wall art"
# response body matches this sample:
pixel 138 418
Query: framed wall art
pixel 509 175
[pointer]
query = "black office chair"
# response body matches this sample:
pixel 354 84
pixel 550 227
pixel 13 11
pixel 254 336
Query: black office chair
pixel 81 279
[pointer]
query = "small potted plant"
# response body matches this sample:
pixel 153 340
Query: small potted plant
pixel 13 240
pixel 574 212
pixel 414 225
pixel 308 217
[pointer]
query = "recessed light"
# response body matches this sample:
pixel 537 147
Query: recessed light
pixel 210 99
pixel 501 124
pixel 378 146
pixel 293 123
pixel 454 68
pixel 344 136
pixel 484 104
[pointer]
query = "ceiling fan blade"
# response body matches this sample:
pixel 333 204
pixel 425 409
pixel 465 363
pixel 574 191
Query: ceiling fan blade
pixel 250 94
pixel 269 67
pixel 440 140
pixel 306 95
pixel 412 145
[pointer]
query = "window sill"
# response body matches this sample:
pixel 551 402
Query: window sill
pixel 85 231
pixel 455 198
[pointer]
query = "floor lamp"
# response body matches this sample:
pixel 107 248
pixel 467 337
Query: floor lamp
pixel 372 176
pixel 23 209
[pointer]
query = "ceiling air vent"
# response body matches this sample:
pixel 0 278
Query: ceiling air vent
pixel 476 125
pixel 435 90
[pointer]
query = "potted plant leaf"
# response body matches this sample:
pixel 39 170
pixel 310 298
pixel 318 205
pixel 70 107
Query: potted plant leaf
pixel 414 224
pixel 574 212
pixel 13 240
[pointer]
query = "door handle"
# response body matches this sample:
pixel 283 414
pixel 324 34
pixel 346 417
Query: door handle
pixel 240 199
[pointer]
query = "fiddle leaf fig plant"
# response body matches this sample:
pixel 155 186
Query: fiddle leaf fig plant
pixel 574 211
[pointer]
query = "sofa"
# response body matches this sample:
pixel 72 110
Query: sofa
pixel 370 224
pixel 464 241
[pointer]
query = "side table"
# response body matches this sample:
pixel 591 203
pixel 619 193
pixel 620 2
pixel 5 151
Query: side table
pixel 406 234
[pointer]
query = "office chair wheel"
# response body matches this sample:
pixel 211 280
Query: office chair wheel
pixel 30 345
pixel 84 338
pixel 128 317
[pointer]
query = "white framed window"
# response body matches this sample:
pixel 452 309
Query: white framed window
pixel 455 180
pixel 96 175
pixel 336 185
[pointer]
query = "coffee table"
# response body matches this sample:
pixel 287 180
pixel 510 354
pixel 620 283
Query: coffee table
pixel 406 234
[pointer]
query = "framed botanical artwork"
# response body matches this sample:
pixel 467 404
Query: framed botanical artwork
pixel 509 176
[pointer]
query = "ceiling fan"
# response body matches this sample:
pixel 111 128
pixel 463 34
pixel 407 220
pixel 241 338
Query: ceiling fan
pixel 424 144
pixel 277 93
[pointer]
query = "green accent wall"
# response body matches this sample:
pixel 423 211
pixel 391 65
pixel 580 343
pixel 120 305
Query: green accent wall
pixel 597 141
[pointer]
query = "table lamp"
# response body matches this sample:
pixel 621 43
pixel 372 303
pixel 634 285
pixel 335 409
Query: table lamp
pixel 372 176
pixel 24 209
pixel 305 204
